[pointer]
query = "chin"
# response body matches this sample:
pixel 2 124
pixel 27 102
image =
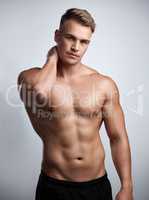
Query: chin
pixel 70 61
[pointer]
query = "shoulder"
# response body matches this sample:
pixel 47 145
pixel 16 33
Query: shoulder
pixel 107 81
pixel 106 84
pixel 28 75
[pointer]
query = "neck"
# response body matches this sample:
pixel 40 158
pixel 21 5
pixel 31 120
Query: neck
pixel 68 71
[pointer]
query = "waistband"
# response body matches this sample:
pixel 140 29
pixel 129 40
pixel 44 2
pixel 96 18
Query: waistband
pixel 59 182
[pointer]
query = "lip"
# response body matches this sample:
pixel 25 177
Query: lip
pixel 73 55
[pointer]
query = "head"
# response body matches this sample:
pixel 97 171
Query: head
pixel 74 35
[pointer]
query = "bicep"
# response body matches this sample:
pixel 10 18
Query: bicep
pixel 114 120
pixel 26 80
pixel 24 84
pixel 113 115
pixel 27 75
pixel 20 83
pixel 20 78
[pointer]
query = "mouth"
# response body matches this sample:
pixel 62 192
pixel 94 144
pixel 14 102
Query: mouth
pixel 73 55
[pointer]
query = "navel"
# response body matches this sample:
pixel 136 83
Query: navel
pixel 79 158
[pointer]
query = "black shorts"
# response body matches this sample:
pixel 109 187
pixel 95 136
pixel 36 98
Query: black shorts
pixel 49 188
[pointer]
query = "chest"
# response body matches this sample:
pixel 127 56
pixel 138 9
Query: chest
pixel 84 97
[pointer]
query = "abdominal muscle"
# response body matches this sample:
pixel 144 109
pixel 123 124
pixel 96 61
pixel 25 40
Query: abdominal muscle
pixel 82 161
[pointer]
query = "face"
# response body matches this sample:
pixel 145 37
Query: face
pixel 72 41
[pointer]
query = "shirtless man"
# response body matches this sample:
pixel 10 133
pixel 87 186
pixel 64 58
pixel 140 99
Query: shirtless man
pixel 67 102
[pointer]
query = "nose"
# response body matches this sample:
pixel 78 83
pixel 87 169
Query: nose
pixel 75 46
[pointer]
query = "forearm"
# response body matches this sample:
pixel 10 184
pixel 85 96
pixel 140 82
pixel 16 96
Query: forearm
pixel 48 73
pixel 36 84
pixel 121 156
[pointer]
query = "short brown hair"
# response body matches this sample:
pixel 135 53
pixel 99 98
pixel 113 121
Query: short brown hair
pixel 80 15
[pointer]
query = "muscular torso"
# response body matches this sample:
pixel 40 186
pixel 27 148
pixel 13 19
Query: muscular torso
pixel 68 124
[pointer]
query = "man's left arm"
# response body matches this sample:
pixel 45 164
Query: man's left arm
pixel 114 121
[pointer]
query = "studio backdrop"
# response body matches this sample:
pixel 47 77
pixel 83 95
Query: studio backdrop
pixel 119 49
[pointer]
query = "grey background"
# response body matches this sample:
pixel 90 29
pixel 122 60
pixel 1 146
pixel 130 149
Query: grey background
pixel 119 48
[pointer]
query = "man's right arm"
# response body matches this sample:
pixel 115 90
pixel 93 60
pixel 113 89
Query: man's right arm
pixel 26 81
pixel 20 82
pixel 36 79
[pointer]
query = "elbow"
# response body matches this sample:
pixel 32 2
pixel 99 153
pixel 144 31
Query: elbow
pixel 117 137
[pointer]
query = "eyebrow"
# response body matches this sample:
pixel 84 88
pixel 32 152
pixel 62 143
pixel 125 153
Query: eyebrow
pixel 69 34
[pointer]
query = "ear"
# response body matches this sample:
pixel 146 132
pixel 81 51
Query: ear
pixel 57 36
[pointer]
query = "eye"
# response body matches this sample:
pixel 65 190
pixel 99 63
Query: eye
pixel 69 37
pixel 85 42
